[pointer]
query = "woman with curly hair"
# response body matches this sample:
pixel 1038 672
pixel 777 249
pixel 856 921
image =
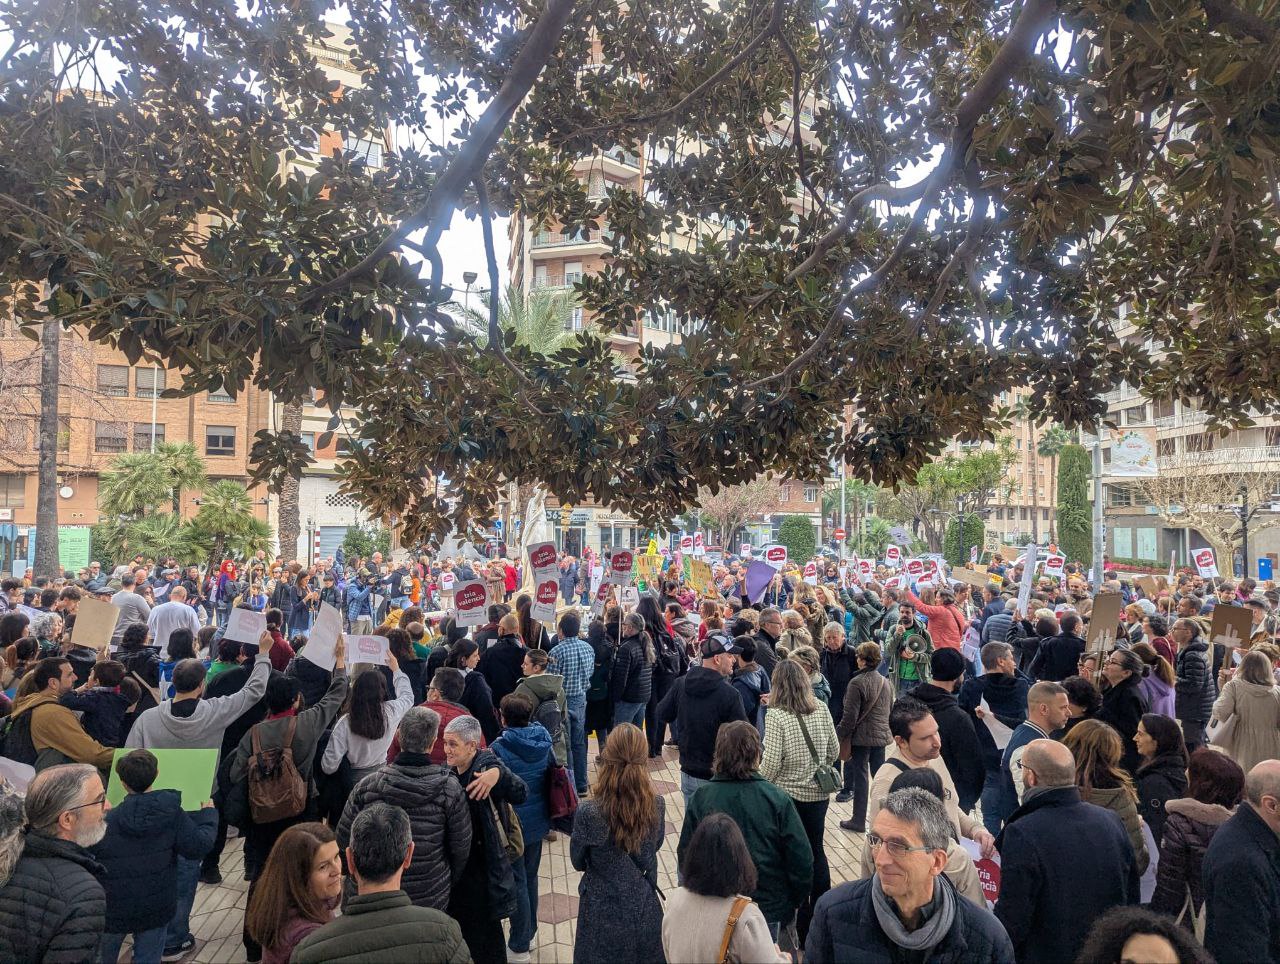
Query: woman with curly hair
pixel 1133 934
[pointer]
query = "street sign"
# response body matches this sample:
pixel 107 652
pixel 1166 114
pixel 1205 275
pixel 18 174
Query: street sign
pixel 839 534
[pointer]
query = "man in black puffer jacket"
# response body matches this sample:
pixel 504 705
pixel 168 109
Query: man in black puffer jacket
pixel 701 701
pixel 435 803
pixel 52 906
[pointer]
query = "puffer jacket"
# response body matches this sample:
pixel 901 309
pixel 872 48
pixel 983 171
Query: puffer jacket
pixel 52 908
pixel 527 752
pixel 1118 801
pixel 868 614
pixel 146 833
pixel 1161 780
pixel 864 719
pixel 631 679
pixel 501 664
pixel 1189 827
pixel 438 816
pixel 1194 689
pixel 487 876
pixel 1122 707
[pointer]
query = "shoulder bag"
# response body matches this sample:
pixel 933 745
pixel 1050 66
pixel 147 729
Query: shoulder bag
pixel 740 904
pixel 825 775
pixel 510 833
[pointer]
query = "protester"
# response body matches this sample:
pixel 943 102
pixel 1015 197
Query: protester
pixel 134 609
pixel 961 750
pixel 908 910
pixel 501 663
pixel 1249 709
pixel 1063 862
pixel 946 622
pixel 1131 934
pixel 1057 656
pixel 42 731
pixel 774 836
pixel 910 647
pixel 863 730
pixel 475 696
pixel 710 918
pixel 1103 782
pixel 171 615
pixel 380 925
pixel 52 905
pixel 1241 874
pixel 545 694
pixel 1047 711
pixel 485 894
pixel 300 888
pixel 1163 774
pixel 443 696
pixel 1156 687
pixel 1122 702
pixel 1004 689
pixel 1215 787
pixel 616 837
pixel 631 677
pixel 574 659
pixel 147 833
pixel 364 732
pixel 435 803
pixel 1194 687
pixel 959 868
pixel 749 679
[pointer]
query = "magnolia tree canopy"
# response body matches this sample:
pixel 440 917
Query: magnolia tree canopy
pixel 987 184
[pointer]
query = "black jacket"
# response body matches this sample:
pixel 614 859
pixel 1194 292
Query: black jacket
pixel 845 928
pixel 961 751
pixel 1122 707
pixel 1242 890
pixel 146 833
pixel 487 880
pixel 1063 864
pixel 1161 780
pixel 501 665
pixel 1007 697
pixel 701 700
pixel 436 659
pixel 313 680
pixel 766 655
pixel 631 678
pixel 438 816
pixel 478 699
pixel 1194 688
pixel 838 667
pixel 1058 657
pixel 52 907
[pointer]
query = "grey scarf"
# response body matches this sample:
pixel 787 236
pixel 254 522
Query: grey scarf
pixel 938 914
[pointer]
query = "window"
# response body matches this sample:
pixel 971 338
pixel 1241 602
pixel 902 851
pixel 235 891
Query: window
pixel 1200 443
pixel 1136 415
pixel 113 380
pixel 13 491
pixel 150 381
pixel 1166 447
pixel 346 445
pixel 811 493
pixel 1273 436
pixel 1044 515
pixel 572 272
pixel 1118 495
pixel 142 436
pixel 573 320
pixel 220 440
pixel 309 440
pixel 110 437
pixel 221 397
pixel 1023 513
pixel 366 149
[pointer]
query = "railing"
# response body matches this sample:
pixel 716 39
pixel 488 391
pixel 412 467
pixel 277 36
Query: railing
pixel 558 239
pixel 1225 456
pixel 623 156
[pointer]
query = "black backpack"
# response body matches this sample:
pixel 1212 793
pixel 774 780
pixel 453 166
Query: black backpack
pixel 548 714
pixel 16 742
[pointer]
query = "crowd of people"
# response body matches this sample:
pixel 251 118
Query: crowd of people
pixel 1127 791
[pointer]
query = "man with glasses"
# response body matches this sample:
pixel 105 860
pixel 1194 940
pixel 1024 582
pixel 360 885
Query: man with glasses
pixel 908 909
pixel 766 638
pixel 52 907
pixel 1063 863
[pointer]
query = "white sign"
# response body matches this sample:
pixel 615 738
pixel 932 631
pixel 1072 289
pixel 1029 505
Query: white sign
pixel 973 555
pixel 447 579
pixel 686 544
pixel 597 576
pixel 893 582
pixel 1024 590
pixel 776 556
pixel 892 556
pixel 620 565
pixel 999 732
pixel 1133 453
pixel 699 547
pixel 542 559
pixel 746 549
pixel 245 626
pixel 599 597
pixel 368 649
pixel 323 638
pixel 1053 566
pixel 630 596
pixel 544 600
pixel 811 573
pixel 1205 563
pixel 865 569
pixel 469 602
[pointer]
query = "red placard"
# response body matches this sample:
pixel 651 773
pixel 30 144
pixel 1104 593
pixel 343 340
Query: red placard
pixel 915 568
pixel 542 555
pixel 620 565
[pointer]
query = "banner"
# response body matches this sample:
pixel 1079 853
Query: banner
pixel 95 622
pixel 545 594
pixel 1205 563
pixel 892 556
pixel 621 562
pixel 776 556
pixel 188 771
pixel 1133 453
pixel 469 602
pixel 542 559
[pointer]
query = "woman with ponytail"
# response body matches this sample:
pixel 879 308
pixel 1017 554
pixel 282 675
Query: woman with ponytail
pixel 615 842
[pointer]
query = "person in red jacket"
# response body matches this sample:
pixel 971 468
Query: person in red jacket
pixel 946 622
pixel 512 582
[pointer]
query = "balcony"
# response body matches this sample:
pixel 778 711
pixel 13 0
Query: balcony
pixel 555 244
pixel 615 161
pixel 1233 458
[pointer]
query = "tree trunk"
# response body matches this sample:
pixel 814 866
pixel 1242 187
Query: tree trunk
pixel 1035 492
pixel 47 561
pixel 290 526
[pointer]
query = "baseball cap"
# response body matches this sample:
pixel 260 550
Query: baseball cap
pixel 717 643
pixel 946 664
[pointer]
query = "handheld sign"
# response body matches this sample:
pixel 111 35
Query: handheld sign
pixel 447 581
pixel 1024 589
pixel 544 600
pixel 620 565
pixel 1231 627
pixel 368 649
pixel 469 600
pixel 915 568
pixel 630 596
pixel 542 559
pixel 189 771
pixel 95 622
pixel 776 556
pixel 1205 563
pixel 1104 621
pixel 865 569
pixel 245 626
pixel 1054 565
pixel 323 639
pixel 686 544
pixel 892 556
pixel 746 549
pixel 597 577
pixel 811 573
pixel 599 598
pixel 699 546
pixel 973 555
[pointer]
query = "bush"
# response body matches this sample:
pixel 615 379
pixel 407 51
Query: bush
pixel 956 543
pixel 1075 512
pixel 364 541
pixel 796 533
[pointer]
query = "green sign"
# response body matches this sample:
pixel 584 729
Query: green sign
pixel 73 547
pixel 188 771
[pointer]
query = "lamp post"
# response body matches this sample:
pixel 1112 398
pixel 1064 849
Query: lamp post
pixel 468 278
pixel 1244 528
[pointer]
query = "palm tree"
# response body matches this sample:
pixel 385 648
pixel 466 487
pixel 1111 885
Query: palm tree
pixel 184 467
pixel 139 482
pixel 289 518
pixel 226 522
pixel 1051 445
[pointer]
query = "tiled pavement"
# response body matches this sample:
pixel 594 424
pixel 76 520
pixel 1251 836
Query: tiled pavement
pixel 219 911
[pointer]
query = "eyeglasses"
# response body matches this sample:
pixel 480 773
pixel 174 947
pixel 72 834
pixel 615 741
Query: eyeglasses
pixel 101 801
pixel 896 847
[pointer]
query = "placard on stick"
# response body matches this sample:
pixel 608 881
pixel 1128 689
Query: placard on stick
pixel 1103 622
pixel 368 649
pixel 190 772
pixel 95 622
pixel 1148 586
pixel 1231 626
pixel 323 639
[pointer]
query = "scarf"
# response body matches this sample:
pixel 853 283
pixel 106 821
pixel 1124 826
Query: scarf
pixel 938 916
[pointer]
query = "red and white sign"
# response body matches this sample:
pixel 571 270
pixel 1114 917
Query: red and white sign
pixel 686 544
pixel 988 878
pixel 368 649
pixel 746 549
pixel 447 579
pixel 893 582
pixel 973 555
pixel 699 547
pixel 915 568
pixel 893 556
pixel 1053 566
pixel 1205 563
pixel 469 602
pixel 865 568
pixel 810 572
pixel 776 556
pixel 544 600
pixel 839 535
pixel 600 597
pixel 542 559
pixel 620 565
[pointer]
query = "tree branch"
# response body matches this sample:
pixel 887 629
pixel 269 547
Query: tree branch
pixel 436 212
pixel 1223 13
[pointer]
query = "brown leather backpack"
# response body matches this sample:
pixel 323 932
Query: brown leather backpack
pixel 276 789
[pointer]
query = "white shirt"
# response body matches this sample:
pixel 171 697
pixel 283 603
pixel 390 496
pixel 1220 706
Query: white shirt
pixel 167 617
pixel 363 753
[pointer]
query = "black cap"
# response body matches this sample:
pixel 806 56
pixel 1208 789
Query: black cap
pixel 717 643
pixel 947 665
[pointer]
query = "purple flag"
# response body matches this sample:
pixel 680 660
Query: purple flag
pixel 759 574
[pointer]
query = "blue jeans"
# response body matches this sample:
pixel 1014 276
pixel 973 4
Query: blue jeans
pixel 998 801
pixel 147 946
pixel 689 786
pixel 524 922
pixel 628 713
pixel 179 928
pixel 578 742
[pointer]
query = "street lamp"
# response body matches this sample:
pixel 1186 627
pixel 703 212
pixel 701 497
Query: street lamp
pixel 468 278
pixel 1244 527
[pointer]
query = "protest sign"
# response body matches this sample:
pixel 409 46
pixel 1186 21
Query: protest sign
pixel 1148 586
pixel 699 547
pixel 447 581
pixel 1054 566
pixel 245 626
pixel 702 579
pixel 323 638
pixel 988 869
pixel 915 568
pixel 758 576
pixel 95 622
pixel 999 732
pixel 990 541
pixel 544 600
pixel 686 544
pixel 597 577
pixel 776 556
pixel 973 555
pixel 893 582
pixel 1206 566
pixel 892 556
pixel 1024 590
pixel 1231 627
pixel 971 577
pixel 542 559
pixel 843 572
pixel 368 649
pixel 630 596
pixel 1103 622
pixel 599 598
pixel 469 601
pixel 1162 584
pixel 811 573
pixel 190 772
pixel 745 549
pixel 649 571
pixel 620 565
